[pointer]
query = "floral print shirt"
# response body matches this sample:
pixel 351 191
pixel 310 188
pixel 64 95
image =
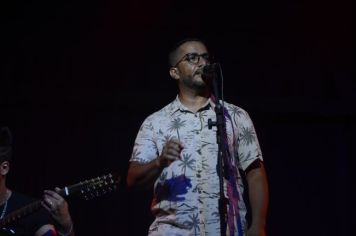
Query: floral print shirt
pixel 186 193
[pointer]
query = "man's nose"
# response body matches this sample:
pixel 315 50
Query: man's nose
pixel 202 61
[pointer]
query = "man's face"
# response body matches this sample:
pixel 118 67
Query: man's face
pixel 192 57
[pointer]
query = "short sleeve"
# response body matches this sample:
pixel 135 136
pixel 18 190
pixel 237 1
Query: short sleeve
pixel 248 146
pixel 145 149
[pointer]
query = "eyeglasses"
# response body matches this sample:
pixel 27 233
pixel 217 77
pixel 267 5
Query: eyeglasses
pixel 194 58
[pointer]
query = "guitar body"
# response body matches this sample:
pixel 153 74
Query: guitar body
pixel 6 232
pixel 15 202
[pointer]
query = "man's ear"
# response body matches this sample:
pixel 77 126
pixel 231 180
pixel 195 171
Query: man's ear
pixel 173 72
pixel 4 168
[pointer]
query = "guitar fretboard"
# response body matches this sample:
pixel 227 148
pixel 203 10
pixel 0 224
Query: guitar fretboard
pixel 19 213
pixel 89 189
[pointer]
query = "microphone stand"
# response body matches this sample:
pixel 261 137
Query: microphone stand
pixel 220 137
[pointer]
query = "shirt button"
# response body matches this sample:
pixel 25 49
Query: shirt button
pixel 198 175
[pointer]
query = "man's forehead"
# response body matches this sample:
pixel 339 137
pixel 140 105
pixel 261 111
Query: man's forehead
pixel 192 46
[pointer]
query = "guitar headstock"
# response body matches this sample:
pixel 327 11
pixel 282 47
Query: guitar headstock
pixel 94 187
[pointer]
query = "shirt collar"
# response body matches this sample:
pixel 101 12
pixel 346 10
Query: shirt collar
pixel 177 105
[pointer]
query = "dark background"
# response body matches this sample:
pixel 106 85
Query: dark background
pixel 79 77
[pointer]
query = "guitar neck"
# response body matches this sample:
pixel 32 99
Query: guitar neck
pixel 88 189
pixel 32 207
pixel 19 213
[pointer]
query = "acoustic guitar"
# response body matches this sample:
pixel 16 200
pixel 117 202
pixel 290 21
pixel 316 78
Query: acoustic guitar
pixel 87 189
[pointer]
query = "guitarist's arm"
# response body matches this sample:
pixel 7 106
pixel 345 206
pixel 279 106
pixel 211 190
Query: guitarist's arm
pixel 57 206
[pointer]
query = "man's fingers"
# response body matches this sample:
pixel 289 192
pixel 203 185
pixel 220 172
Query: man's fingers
pixel 52 194
pixel 175 141
pixel 172 157
pixel 174 146
pixel 174 152
pixel 171 151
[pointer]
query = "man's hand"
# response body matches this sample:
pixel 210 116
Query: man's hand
pixel 171 152
pixel 57 206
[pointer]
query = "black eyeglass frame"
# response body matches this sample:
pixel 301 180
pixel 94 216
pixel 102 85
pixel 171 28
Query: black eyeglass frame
pixel 194 58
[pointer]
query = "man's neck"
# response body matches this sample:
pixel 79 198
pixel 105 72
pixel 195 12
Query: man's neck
pixel 193 101
pixel 3 193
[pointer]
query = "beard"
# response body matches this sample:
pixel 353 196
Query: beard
pixel 195 82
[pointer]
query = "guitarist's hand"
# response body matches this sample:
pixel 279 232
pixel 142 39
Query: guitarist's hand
pixel 58 208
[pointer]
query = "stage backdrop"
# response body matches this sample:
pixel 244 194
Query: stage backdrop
pixel 78 78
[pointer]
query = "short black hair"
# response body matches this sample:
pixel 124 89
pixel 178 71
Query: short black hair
pixel 172 52
pixel 5 144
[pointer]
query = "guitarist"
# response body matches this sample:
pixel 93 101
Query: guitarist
pixel 54 219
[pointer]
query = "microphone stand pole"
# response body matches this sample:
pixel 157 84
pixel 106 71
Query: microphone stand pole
pixel 220 139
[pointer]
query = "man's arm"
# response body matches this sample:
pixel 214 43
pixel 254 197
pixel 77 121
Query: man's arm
pixel 258 197
pixel 145 174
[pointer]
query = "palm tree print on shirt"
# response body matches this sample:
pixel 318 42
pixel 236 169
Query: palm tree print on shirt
pixel 135 156
pixel 247 135
pixel 176 124
pixel 235 111
pixel 186 162
pixel 194 222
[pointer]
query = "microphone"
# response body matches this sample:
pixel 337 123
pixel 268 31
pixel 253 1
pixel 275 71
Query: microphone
pixel 211 75
pixel 210 69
